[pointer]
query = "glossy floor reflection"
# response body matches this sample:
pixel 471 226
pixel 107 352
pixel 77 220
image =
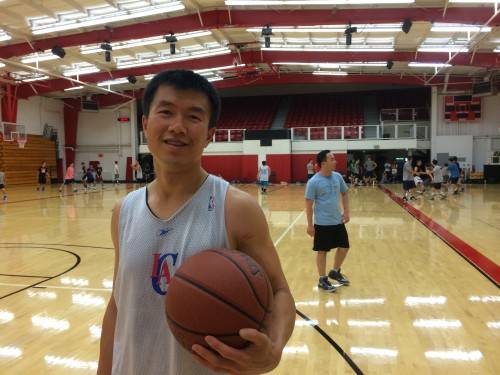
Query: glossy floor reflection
pixel 414 306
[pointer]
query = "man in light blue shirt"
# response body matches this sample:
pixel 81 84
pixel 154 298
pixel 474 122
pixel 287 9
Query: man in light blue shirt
pixel 324 191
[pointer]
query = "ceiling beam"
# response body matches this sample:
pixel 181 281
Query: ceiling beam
pixel 254 57
pixel 219 19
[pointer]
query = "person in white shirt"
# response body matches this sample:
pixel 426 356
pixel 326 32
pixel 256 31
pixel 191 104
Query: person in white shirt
pixel 263 176
pixel 116 172
pixel 437 181
pixel 310 169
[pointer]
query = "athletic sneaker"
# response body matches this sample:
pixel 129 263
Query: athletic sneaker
pixel 4 198
pixel 326 285
pixel 336 275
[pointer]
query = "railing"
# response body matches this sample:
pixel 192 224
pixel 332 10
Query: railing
pixel 404 114
pixel 362 132
pixel 220 135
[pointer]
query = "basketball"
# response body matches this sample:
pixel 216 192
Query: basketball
pixel 216 293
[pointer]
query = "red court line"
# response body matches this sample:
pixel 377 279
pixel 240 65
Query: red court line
pixel 485 265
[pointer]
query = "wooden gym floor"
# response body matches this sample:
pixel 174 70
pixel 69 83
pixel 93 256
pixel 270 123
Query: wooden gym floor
pixel 415 306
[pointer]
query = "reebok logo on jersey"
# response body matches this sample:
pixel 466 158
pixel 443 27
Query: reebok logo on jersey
pixel 211 203
pixel 163 232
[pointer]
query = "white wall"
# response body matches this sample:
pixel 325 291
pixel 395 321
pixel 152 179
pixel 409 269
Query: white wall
pixel 37 111
pixel 101 133
pixel 460 146
pixel 489 124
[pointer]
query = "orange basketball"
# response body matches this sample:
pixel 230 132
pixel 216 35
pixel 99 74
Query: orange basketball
pixel 216 293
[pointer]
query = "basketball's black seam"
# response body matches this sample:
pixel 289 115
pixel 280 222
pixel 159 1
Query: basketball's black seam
pixel 201 333
pixel 213 294
pixel 247 279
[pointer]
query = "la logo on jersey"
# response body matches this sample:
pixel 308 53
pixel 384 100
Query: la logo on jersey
pixel 163 267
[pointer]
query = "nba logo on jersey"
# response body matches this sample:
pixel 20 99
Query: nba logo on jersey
pixel 211 203
pixel 163 267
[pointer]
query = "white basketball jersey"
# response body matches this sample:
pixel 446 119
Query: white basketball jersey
pixel 264 173
pixel 151 250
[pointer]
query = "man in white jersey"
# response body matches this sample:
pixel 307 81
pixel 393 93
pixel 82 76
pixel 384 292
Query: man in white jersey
pixel 263 176
pixel 155 228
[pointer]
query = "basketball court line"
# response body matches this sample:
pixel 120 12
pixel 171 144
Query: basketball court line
pixel 325 335
pixel 78 260
pixel 27 286
pixel 483 264
pixel 20 244
pixel 61 195
pixel 36 277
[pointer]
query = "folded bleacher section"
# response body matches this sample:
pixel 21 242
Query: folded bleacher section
pixel 249 113
pixel 327 110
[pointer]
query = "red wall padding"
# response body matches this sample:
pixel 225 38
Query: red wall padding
pixel 299 162
pixel 232 167
pixel 284 167
pixel 281 167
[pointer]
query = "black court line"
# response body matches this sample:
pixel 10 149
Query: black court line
pixel 33 276
pixel 62 195
pixel 77 262
pixel 332 342
pixel 54 244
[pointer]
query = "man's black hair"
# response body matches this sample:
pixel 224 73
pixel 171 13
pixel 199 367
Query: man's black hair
pixel 434 161
pixel 264 162
pixel 321 156
pixel 183 80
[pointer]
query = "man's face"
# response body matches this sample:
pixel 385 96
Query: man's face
pixel 177 126
pixel 330 162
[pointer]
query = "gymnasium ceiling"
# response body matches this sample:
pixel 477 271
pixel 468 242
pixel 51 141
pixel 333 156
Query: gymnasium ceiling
pixel 222 39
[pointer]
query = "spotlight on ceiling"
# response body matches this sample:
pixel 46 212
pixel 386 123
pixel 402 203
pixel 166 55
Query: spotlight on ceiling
pixel 390 64
pixel 107 48
pixel 407 24
pixel 267 32
pixel 132 79
pixel 348 39
pixel 172 40
pixel 58 51
pixel 348 34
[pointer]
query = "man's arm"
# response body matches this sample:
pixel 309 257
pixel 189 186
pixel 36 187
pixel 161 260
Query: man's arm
pixel 309 214
pixel 252 237
pixel 108 323
pixel 345 204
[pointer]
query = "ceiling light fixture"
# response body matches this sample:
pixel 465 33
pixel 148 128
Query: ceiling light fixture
pixel 313 2
pixel 456 28
pixel 119 15
pixel 329 73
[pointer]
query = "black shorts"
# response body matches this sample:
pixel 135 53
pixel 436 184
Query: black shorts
pixel 437 185
pixel 453 180
pixel 68 181
pixel 327 237
pixel 42 180
pixel 2 186
pixel 408 185
pixel 369 174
